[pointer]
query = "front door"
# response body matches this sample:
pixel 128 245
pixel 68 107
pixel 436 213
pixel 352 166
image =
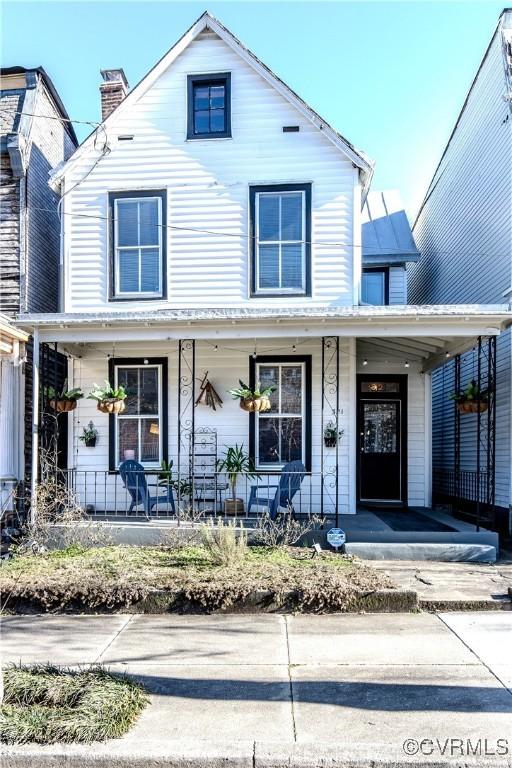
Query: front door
pixel 382 424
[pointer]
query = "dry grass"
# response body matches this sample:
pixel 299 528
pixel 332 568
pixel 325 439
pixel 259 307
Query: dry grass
pixel 43 704
pixel 117 576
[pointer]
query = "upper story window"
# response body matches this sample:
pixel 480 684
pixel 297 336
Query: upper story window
pixel 374 287
pixel 281 235
pixel 138 244
pixel 209 106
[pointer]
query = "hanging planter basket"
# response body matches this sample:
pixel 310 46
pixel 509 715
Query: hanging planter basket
pixel 330 442
pixel 91 442
pixel 472 406
pixel 63 406
pixel 111 406
pixel 255 404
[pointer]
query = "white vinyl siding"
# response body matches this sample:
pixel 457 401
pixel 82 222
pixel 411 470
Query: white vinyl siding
pixel 207 183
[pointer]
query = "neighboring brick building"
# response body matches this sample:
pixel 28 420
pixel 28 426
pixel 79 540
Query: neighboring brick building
pixel 35 136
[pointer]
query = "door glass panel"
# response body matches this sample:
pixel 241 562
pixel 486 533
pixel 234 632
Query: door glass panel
pixel 380 428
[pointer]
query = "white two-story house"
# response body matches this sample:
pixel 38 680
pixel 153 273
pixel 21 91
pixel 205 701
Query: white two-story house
pixel 212 230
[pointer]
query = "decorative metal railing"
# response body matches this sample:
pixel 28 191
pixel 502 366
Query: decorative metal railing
pixel 151 494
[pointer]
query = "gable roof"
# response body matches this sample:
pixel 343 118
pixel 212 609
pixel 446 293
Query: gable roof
pixel 207 21
pixel 386 232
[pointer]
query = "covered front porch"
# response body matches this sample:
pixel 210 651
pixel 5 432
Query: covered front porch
pixel 351 409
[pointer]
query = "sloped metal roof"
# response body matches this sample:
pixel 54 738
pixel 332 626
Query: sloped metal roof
pixel 386 232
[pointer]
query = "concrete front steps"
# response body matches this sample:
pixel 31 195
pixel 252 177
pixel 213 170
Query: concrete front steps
pixel 437 551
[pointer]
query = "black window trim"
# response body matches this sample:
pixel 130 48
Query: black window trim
pixel 135 194
pixel 213 78
pixel 253 191
pixel 306 361
pixel 385 270
pixel 115 362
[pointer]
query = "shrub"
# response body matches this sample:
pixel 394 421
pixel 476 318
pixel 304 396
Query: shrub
pixel 284 531
pixel 225 543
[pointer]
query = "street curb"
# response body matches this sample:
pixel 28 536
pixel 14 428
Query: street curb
pixel 262 601
pixel 442 606
pixel 229 755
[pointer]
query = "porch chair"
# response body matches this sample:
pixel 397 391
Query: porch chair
pixel 290 481
pixel 134 480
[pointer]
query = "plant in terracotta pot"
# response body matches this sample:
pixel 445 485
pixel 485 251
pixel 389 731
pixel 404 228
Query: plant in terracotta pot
pixel 331 434
pixel 472 399
pixel 65 400
pixel 89 435
pixel 109 399
pixel 253 400
pixel 235 463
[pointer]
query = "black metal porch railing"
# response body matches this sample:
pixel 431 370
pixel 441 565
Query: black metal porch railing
pixel 104 494
pixel 466 491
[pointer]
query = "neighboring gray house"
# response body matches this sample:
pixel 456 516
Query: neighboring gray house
pixel 464 232
pixel 388 246
pixel 36 136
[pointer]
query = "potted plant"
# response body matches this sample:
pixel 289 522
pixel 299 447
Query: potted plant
pixel 472 399
pixel 109 399
pixel 235 462
pixel 89 435
pixel 257 399
pixel 65 400
pixel 331 434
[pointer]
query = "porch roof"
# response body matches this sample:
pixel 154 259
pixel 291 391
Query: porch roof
pixel 499 314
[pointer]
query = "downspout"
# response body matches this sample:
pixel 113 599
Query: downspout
pixel 35 426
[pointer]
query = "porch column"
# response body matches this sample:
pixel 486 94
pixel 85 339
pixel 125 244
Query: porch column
pixel 352 426
pixel 35 425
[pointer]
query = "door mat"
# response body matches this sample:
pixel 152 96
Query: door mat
pixel 408 520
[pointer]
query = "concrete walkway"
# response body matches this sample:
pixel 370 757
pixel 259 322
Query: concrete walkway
pixel 453 586
pixel 289 690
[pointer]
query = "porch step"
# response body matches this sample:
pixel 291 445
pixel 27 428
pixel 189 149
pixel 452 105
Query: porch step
pixel 441 552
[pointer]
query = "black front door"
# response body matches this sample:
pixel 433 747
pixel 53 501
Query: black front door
pixel 382 423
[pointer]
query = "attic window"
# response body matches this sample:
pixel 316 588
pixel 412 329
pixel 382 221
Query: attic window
pixel 209 106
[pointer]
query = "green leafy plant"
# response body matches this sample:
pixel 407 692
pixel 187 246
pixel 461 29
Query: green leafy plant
pixel 89 434
pixel 166 471
pixel 243 391
pixel 65 394
pixel 108 392
pixel 236 462
pixel 331 432
pixel 471 393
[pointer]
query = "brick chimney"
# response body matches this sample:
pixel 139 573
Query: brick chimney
pixel 113 89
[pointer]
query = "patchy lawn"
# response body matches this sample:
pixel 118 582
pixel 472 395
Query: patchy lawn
pixel 45 705
pixel 118 576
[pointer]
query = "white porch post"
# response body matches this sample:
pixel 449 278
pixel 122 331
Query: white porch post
pixel 35 425
pixel 428 438
pixel 352 426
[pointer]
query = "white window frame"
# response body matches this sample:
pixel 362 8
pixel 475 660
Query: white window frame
pixel 272 414
pixel 278 290
pixel 117 248
pixel 150 417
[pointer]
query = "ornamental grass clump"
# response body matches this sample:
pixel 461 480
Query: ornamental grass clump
pixel 225 543
pixel 45 705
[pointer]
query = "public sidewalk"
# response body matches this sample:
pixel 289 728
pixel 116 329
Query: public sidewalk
pixel 277 690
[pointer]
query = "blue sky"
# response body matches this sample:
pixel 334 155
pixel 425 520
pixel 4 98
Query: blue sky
pixel 391 77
